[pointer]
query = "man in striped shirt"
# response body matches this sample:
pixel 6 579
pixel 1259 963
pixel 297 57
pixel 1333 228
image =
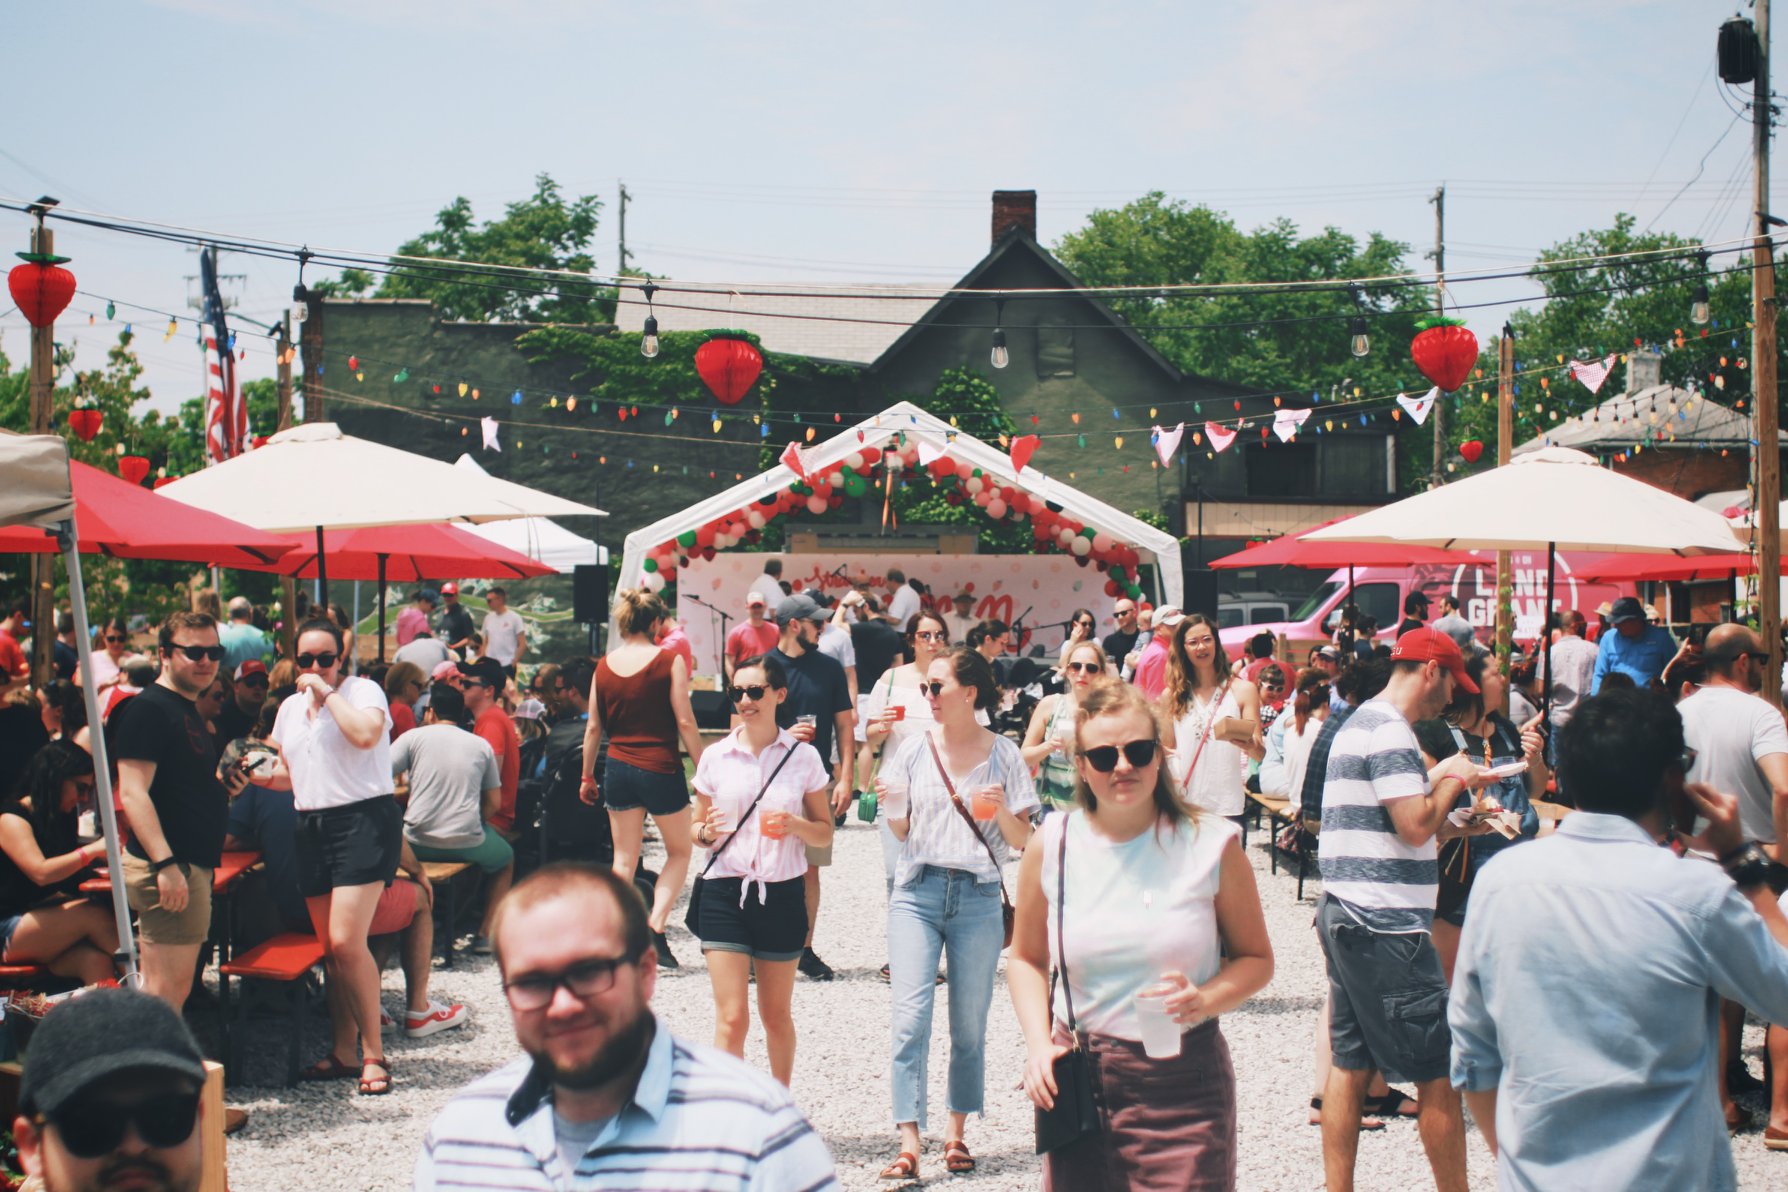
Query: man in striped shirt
pixel 606 1097
pixel 1381 813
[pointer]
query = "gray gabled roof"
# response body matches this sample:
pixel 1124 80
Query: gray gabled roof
pixel 845 324
pixel 1659 417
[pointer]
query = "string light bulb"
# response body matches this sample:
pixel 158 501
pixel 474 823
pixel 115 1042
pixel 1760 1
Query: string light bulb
pixel 1359 341
pixel 999 357
pixel 648 340
pixel 1699 311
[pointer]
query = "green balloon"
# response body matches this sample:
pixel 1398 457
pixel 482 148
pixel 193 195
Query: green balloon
pixel 1088 532
pixel 650 565
pixel 854 485
pixel 1134 591
pixel 800 490
pixel 686 538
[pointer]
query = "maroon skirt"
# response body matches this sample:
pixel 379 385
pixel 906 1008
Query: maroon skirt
pixel 1168 1124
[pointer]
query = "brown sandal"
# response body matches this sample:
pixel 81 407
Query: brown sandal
pixel 957 1158
pixel 330 1068
pixel 904 1167
pixel 375 1086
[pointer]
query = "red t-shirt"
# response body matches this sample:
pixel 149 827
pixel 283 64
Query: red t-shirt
pixel 748 640
pixel 494 726
pixel 403 719
pixel 12 657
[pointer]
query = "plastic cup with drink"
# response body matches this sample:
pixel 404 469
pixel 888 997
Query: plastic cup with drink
pixel 893 796
pixel 988 801
pixel 776 824
pixel 729 807
pixel 1160 1033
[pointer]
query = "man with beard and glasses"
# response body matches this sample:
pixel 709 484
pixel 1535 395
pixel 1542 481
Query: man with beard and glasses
pixel 606 1095
pixel 110 1097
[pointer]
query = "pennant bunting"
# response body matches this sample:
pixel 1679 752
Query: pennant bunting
pixel 1286 423
pixel 791 458
pixel 1221 436
pixel 1167 443
pixel 1418 407
pixel 489 426
pixel 930 452
pixel 1023 447
pixel 1592 372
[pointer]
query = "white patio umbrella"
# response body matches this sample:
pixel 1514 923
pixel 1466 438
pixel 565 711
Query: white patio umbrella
pixel 541 540
pixel 314 477
pixel 1552 499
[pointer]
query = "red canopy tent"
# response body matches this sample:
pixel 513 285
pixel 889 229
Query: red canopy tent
pixel 1634 567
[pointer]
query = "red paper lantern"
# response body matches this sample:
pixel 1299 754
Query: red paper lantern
pixel 41 288
pixel 161 480
pixel 86 422
pixel 1445 353
pixel 729 367
pixel 133 467
pixel 1471 450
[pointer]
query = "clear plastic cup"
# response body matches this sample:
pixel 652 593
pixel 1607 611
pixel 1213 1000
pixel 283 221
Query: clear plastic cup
pixel 988 801
pixel 728 807
pixel 809 719
pixel 1160 1033
pixel 895 804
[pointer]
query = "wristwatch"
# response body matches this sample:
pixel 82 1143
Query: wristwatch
pixel 158 866
pixel 1747 865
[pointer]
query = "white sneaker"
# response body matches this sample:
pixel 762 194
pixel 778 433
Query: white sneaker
pixel 437 1018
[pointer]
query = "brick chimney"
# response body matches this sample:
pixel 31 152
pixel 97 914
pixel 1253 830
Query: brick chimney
pixel 1014 209
pixel 1644 370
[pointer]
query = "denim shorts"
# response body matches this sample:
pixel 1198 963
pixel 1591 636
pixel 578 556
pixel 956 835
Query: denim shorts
pixel 1388 999
pixel 8 925
pixel 629 788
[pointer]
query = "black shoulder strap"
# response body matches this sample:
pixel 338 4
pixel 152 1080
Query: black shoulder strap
pixel 1061 942
pixel 733 835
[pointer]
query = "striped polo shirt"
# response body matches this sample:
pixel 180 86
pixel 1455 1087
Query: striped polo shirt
pixel 1386 884
pixel 699 1120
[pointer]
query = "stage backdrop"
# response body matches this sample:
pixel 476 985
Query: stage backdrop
pixel 1042 589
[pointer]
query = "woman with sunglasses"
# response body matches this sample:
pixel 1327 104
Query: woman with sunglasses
pixel 1213 720
pixel 38 858
pixel 895 710
pixel 108 664
pixel 640 698
pixel 753 912
pixel 1081 624
pixel 335 756
pixel 1160 908
pixel 958 798
pixel 404 685
pixel 1049 739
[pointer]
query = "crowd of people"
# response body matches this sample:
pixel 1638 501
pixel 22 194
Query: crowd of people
pixel 1579 979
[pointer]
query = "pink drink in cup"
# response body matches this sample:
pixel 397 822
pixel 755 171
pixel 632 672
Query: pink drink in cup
pixel 776 824
pixel 988 801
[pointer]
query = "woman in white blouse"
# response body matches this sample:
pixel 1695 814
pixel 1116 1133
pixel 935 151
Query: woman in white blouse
pixel 896 710
pixel 753 910
pixel 958 798
pixel 1160 904
pixel 1213 720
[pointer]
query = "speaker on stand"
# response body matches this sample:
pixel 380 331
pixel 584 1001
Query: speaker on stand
pixel 1200 582
pixel 589 598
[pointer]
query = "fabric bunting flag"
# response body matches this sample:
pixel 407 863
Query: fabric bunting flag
pixel 1220 436
pixel 1418 407
pixel 1167 442
pixel 1286 423
pixel 791 459
pixel 1023 447
pixel 1592 372
pixel 489 426
pixel 929 452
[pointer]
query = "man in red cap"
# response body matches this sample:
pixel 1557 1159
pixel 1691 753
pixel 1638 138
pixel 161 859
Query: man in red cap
pixel 1382 811
pixel 456 628
pixel 754 635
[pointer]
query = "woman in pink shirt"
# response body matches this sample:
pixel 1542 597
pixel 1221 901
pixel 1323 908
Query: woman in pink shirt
pixel 753 907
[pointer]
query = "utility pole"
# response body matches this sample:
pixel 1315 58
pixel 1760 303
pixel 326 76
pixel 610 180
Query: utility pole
pixel 1505 434
pixel 1437 473
pixel 42 383
pixel 311 338
pixel 288 588
pixel 621 254
pixel 1765 397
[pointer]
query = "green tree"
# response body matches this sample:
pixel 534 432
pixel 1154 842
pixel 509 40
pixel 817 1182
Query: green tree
pixel 543 231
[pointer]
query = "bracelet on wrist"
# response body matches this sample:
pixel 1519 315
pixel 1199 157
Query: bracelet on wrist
pixel 158 866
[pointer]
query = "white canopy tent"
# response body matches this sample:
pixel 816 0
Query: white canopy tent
pixel 38 492
pixel 544 541
pixel 935 438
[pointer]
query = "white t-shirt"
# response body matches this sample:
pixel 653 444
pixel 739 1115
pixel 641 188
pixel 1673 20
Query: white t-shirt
pixel 770 588
pixel 1730 732
pixel 835 643
pixel 1573 665
pixel 326 770
pixel 502 632
pixel 902 605
pixel 1219 784
pixel 959 627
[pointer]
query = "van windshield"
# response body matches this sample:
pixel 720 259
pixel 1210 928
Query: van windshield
pixel 1317 599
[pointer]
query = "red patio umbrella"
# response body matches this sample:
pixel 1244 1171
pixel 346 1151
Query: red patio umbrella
pixel 1613 568
pixel 1291 550
pixel 115 517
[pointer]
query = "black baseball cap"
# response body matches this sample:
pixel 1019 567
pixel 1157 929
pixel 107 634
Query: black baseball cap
pixel 487 671
pixel 799 607
pixel 92 1037
pixel 1627 608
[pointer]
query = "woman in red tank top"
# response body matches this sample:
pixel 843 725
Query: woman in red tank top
pixel 640 698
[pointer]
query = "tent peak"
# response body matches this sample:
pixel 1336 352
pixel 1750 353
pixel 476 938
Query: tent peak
pixel 308 432
pixel 1556 455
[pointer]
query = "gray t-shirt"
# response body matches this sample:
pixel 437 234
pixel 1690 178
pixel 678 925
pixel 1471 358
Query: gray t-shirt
pixel 425 652
pixel 1730 732
pixel 450 769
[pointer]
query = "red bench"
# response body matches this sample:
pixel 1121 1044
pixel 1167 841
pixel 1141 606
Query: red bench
pixel 23 976
pixel 285 959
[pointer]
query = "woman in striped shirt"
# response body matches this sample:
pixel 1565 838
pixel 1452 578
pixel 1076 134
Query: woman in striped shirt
pixel 947 892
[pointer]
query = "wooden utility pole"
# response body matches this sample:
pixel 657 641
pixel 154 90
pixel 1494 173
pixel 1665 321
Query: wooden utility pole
pixel 1505 434
pixel 1437 473
pixel 311 340
pixel 1765 397
pixel 621 253
pixel 288 587
pixel 42 383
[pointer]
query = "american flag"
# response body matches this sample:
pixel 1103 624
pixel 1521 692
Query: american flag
pixel 226 413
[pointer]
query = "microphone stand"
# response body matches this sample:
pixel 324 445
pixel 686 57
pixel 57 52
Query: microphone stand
pixel 720 640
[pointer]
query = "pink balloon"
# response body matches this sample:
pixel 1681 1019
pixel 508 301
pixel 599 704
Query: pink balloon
pixel 996 508
pixel 817 504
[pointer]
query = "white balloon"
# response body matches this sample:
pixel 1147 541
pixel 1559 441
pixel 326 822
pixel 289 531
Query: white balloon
pixel 653 581
pixel 1081 546
pixel 755 520
pixel 816 504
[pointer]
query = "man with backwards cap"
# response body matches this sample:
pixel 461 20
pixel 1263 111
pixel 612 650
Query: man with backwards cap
pixel 755 634
pixel 110 1096
pixel 1636 648
pixel 456 628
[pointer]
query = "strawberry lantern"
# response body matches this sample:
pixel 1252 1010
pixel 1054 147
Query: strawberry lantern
pixel 85 421
pixel 40 287
pixel 133 468
pixel 1445 351
pixel 729 367
pixel 1471 450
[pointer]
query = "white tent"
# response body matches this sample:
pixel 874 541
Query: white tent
pixel 39 492
pixel 540 539
pixel 934 437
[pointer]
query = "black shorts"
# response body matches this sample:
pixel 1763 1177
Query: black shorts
pixel 774 928
pixel 1387 999
pixel 353 845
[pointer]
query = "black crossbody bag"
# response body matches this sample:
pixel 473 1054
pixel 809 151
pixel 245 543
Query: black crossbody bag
pixel 692 916
pixel 1076 1111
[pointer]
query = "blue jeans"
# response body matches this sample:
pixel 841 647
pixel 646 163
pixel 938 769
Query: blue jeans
pixel 942 910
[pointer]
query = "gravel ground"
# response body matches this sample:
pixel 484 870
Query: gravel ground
pixel 297 1135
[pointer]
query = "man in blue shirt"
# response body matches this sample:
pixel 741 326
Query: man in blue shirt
pixel 1585 998
pixel 1636 648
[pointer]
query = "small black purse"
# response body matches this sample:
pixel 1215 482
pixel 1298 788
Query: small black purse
pixel 693 915
pixel 1076 1111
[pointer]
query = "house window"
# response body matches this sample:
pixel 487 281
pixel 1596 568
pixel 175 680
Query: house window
pixel 1354 466
pixel 1281 469
pixel 1055 350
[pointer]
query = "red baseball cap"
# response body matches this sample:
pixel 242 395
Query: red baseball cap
pixel 1429 644
pixel 450 589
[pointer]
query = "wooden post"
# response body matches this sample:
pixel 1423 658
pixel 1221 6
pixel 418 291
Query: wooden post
pixel 312 341
pixel 1765 399
pixel 288 587
pixel 42 398
pixel 1505 432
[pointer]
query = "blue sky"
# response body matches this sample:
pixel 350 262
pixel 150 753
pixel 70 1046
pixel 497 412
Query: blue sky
pixel 796 142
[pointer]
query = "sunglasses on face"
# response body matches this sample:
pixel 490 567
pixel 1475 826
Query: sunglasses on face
pixel 199 653
pixel 585 979
pixel 934 687
pixel 305 661
pixel 753 693
pixel 1084 668
pixel 929 635
pixel 1124 612
pixel 253 681
pixel 95 1130
pixel 1104 758
pixel 115 637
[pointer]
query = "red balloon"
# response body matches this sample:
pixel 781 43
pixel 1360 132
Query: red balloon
pixel 41 291
pixel 1111 587
pixel 85 422
pixel 133 468
pixel 729 367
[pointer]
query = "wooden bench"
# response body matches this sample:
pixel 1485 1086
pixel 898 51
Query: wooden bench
pixel 446 877
pixel 1281 813
pixel 284 959
pixel 24 976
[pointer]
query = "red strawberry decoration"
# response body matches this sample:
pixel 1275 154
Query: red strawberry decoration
pixel 1472 450
pixel 1445 352
pixel 85 421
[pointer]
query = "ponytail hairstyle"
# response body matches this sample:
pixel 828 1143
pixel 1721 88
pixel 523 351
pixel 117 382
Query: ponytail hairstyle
pixel 638 609
pixel 972 670
pixel 1312 689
